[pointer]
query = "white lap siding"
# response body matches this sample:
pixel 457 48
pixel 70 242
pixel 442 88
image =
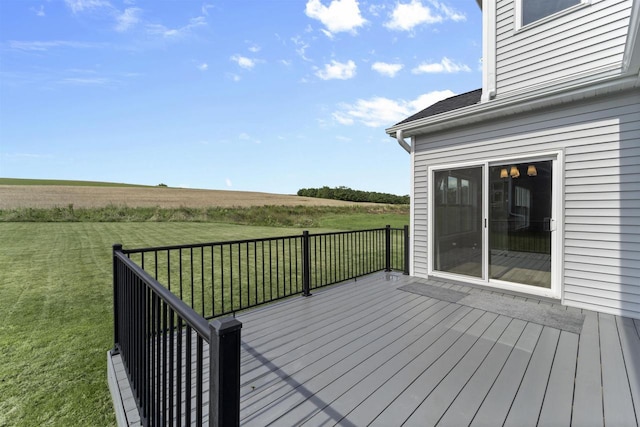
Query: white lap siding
pixel 601 190
pixel 588 40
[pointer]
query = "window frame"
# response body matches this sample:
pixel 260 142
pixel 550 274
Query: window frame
pixel 519 7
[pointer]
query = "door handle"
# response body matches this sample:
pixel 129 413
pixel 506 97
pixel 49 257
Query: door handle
pixel 549 224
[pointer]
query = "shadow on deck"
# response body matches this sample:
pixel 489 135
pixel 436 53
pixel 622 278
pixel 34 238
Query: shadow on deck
pixel 390 350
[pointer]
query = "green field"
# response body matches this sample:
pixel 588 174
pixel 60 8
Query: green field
pixel 57 312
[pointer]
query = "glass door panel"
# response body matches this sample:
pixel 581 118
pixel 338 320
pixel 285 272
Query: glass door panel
pixel 520 223
pixel 457 226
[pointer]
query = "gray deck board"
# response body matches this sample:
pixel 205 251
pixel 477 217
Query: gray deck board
pixel 465 405
pixel 497 404
pixel 389 363
pixel 332 355
pixel 526 407
pixel 556 409
pixel 412 397
pixel 381 398
pixel 367 353
pixel 630 342
pixel 439 400
pixel 361 364
pixel 302 342
pixel 618 407
pixel 587 399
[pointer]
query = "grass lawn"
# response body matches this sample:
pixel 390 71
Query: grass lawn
pixel 56 308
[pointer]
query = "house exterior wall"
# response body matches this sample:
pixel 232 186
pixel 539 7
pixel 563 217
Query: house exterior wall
pixel 586 42
pixel 600 141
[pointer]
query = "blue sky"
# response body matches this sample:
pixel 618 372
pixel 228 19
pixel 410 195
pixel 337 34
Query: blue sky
pixel 249 95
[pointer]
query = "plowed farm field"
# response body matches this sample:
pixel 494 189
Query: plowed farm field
pixel 49 196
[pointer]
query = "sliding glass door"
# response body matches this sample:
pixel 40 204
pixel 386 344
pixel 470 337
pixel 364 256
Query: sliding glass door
pixel 494 222
pixel 520 223
pixel 458 233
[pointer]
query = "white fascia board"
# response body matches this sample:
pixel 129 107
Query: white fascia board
pixel 489 46
pixel 497 108
pixel 631 58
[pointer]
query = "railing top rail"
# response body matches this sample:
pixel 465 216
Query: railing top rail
pixel 200 245
pixel 333 233
pixel 196 321
pixel 235 242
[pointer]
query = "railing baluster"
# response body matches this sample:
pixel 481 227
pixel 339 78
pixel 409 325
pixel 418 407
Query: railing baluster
pixel 231 276
pixel 202 294
pixel 179 355
pixel 213 284
pixel 172 363
pixel 191 274
pixel 187 374
pixel 199 378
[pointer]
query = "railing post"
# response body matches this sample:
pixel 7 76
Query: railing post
pixel 224 373
pixel 116 338
pixel 387 248
pixel 306 264
pixel 406 250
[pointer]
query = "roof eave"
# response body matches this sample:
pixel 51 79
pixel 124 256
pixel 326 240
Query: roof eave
pixel 498 108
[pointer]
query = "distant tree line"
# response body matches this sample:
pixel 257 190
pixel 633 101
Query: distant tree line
pixel 349 195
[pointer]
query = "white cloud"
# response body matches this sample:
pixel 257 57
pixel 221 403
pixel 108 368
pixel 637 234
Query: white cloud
pixel 244 62
pixel 444 66
pixel 127 19
pixel 379 111
pixel 407 16
pixel 205 9
pixel 39 11
pixel 254 48
pixel 301 47
pixel 338 70
pixel 386 69
pixel 82 5
pixel 449 13
pixel 246 137
pixel 376 10
pixel 203 67
pixel 158 29
pixel 228 183
pixel 339 16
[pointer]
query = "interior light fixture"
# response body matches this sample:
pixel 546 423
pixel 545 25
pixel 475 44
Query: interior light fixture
pixel 531 170
pixel 514 172
pixel 504 173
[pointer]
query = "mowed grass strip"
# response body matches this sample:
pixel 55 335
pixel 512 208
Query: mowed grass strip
pixel 369 215
pixel 57 313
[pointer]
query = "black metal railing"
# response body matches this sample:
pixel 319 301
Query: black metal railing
pixel 165 346
pixel 163 296
pixel 221 278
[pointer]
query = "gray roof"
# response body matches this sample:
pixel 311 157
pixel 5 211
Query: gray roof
pixel 449 104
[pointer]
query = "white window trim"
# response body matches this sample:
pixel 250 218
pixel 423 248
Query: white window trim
pixel 542 21
pixel 557 241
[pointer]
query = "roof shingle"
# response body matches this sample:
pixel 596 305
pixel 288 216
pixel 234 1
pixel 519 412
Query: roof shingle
pixel 449 104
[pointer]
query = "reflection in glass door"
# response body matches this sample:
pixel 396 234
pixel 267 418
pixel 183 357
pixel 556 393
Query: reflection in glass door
pixel 457 227
pixel 520 223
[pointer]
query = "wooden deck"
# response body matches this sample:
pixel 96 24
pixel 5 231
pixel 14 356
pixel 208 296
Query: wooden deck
pixel 367 353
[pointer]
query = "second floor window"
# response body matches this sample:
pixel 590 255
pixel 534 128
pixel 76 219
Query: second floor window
pixel 534 10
